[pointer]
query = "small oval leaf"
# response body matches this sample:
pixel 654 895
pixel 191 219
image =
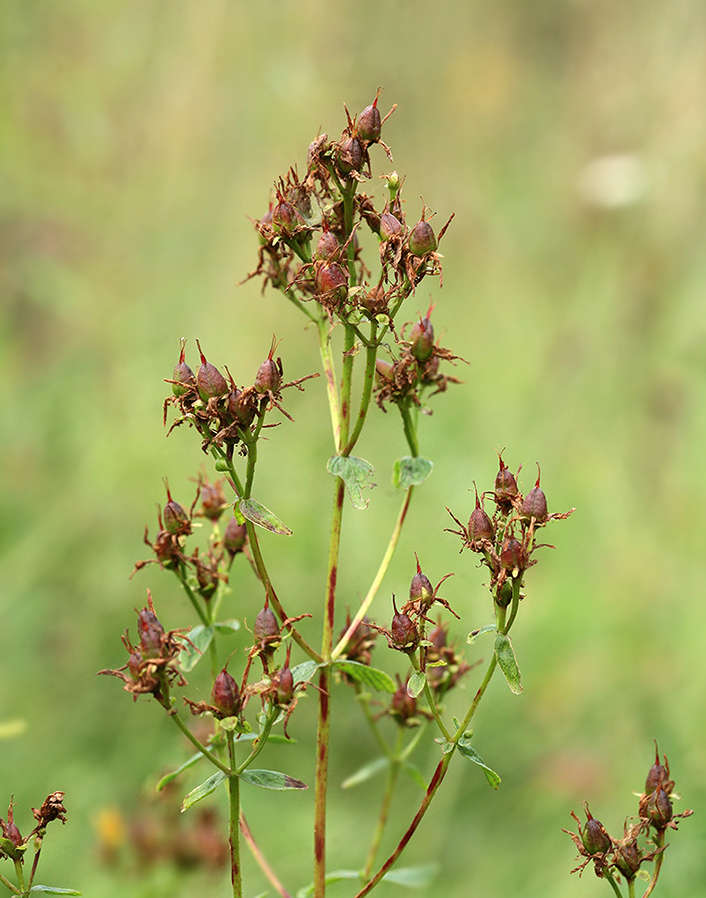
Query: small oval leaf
pixel 474 634
pixel 413 877
pixel 416 682
pixel 411 471
pixel 271 779
pixel 199 639
pixel 227 627
pixel 472 755
pixel 371 676
pixel 263 517
pixel 210 785
pixel 355 473
pixel 507 662
pixel 53 890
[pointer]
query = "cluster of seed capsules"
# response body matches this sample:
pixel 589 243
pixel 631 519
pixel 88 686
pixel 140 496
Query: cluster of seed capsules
pixel 310 250
pixel 507 540
pixel 626 855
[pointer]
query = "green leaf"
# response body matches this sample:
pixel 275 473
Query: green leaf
pixel 472 755
pixel 333 876
pixel 371 676
pixel 409 471
pixel 474 634
pixel 355 473
pixel 273 739
pixel 303 672
pixel 227 627
pixel 416 683
pixel 210 785
pixel 507 662
pixel 366 772
pixel 53 890
pixel 271 779
pixel 170 777
pixel 192 651
pixel 413 877
pixel 263 517
pixel 11 850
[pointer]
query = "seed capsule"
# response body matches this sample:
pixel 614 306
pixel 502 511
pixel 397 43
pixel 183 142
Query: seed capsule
pixel 235 536
pixel 151 632
pixel 512 556
pixel 403 706
pixel 266 627
pixel 505 487
pixel 209 379
pixel 594 836
pixel 331 283
pixel 225 694
pixel 390 226
pixel 659 809
pixel 328 249
pixel 183 374
pixel 283 681
pixel 403 631
pixel 534 505
pixel 370 122
pixel 479 524
pixel 176 518
pixel 422 239
pixel 350 156
pixel 286 218
pixel 269 377
pixel 421 588
pixel 422 338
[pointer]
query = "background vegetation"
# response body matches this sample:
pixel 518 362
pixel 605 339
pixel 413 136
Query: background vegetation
pixel 136 138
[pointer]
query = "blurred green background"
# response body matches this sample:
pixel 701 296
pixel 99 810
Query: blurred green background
pixel 568 137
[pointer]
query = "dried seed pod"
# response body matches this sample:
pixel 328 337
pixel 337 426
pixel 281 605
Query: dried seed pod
pixel 283 681
pixel 422 239
pixel 659 810
pixel 390 226
pixel 331 283
pixel 479 524
pixel 235 536
pixel 513 557
pixel 403 706
pixel 420 588
pixel 594 836
pixel 176 518
pixel 534 505
pixel 269 375
pixel 350 156
pixel 505 487
pixel 422 338
pixel 403 631
pixel 370 122
pixel 286 218
pixel 182 374
pixel 209 379
pixel 328 248
pixel 266 627
pixel 225 694
pixel 151 633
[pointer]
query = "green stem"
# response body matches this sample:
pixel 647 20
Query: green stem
pixel 382 570
pixel 416 664
pixel 659 842
pixel 631 888
pixel 613 884
pixel 330 376
pixel 410 429
pixel 432 789
pixel 260 742
pixel 20 877
pixel 392 775
pixel 369 380
pixel 234 821
pixel 202 748
pixel 10 886
pixel 180 572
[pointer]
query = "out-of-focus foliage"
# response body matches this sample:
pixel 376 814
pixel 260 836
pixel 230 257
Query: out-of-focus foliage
pixel 568 138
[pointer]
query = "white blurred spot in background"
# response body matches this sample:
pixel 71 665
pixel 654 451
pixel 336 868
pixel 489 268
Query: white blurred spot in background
pixel 614 181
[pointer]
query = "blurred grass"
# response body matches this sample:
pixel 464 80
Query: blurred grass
pixel 135 139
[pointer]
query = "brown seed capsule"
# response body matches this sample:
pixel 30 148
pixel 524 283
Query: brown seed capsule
pixel 240 409
pixel 235 536
pixel 505 487
pixel 390 226
pixel 422 338
pixel 209 379
pixel 182 374
pixel 286 218
pixel 134 663
pixel 421 588
pixel 403 631
pixel 269 375
pixel 331 283
pixel 479 524
pixel 422 239
pixel 534 505
pixel 213 500
pixel 266 627
pixel 176 518
pixel 594 836
pixel 350 156
pixel 151 633
pixel 658 775
pixel 283 681
pixel 627 858
pixel 513 556
pixel 370 122
pixel 659 809
pixel 225 694
pixel 328 248
pixel 384 370
pixel 403 706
